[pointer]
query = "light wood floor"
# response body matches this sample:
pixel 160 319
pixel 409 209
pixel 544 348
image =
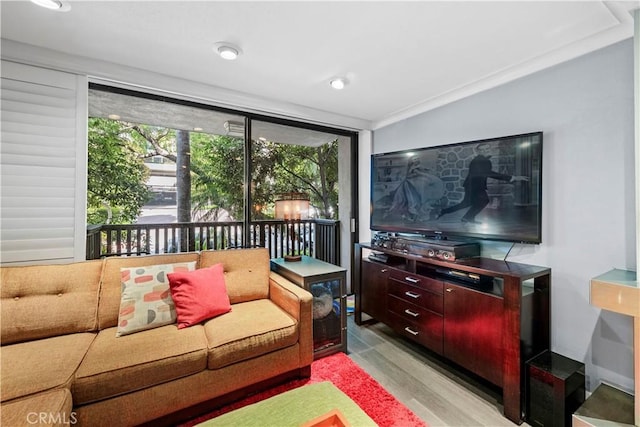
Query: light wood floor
pixel 435 391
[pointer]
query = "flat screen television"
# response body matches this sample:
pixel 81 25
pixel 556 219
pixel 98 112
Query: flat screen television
pixel 486 189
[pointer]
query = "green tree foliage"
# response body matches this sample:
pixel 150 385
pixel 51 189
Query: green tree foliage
pixel 265 185
pixel 217 163
pixel 276 168
pixel 313 170
pixel 116 174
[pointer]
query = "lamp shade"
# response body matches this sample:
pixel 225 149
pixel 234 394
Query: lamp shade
pixel 292 206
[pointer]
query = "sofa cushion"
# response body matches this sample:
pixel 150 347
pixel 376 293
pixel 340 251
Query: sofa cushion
pixel 118 365
pixel 43 301
pixel 146 301
pixel 250 330
pixel 51 408
pixel 199 295
pixel 35 366
pixel 111 285
pixel 246 272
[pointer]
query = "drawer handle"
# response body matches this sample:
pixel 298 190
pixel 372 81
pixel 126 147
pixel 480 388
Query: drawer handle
pixel 412 294
pixel 411 280
pixel 411 313
pixel 384 270
pixel 449 290
pixel 411 331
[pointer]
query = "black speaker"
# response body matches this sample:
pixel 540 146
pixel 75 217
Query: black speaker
pixel 555 389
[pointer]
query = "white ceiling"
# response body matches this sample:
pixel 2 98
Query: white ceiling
pixel 401 58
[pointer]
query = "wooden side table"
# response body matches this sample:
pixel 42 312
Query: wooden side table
pixel 618 291
pixel 327 283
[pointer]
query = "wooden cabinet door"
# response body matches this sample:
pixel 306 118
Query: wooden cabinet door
pixel 374 278
pixel 473 331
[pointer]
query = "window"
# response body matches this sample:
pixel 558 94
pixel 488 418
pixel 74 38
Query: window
pixel 181 162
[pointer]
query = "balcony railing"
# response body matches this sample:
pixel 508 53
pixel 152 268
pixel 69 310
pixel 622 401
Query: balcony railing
pixel 317 238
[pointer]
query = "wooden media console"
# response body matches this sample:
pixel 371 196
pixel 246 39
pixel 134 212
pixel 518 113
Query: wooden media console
pixel 488 316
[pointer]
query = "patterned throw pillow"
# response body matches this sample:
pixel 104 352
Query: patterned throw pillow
pixel 146 301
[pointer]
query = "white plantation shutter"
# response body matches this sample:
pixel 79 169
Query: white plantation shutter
pixel 42 165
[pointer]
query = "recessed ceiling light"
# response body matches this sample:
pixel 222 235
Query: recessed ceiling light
pixel 338 83
pixel 198 129
pixel 114 116
pixel 53 5
pixel 227 50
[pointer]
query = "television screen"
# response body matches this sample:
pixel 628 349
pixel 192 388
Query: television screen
pixel 487 189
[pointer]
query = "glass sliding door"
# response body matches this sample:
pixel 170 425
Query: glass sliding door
pixel 169 175
pixel 155 166
pixel 305 171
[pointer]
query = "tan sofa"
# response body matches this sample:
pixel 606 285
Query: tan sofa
pixel 62 364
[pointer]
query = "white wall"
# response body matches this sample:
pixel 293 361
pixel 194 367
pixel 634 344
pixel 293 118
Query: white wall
pixel 585 109
pixel 365 144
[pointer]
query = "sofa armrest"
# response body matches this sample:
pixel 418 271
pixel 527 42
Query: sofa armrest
pixel 298 303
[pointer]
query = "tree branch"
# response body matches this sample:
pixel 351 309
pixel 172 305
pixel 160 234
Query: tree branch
pixel 154 142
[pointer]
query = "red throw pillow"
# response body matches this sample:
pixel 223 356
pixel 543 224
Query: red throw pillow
pixel 199 295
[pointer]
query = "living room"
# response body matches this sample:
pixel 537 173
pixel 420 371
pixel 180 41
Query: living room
pixel 583 104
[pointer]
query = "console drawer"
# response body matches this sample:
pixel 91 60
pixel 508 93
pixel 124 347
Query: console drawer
pixel 409 312
pixel 427 332
pixel 423 282
pixel 415 295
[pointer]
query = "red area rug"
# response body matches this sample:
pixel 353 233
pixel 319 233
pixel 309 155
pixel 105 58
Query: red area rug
pixel 338 368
